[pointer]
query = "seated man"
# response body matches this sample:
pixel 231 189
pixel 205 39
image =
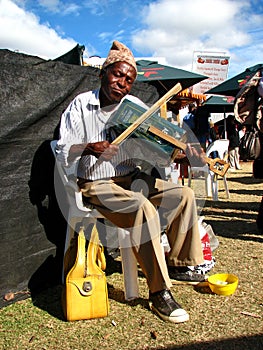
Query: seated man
pixel 111 182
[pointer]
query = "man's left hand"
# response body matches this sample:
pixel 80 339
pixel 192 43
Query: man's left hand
pixel 195 155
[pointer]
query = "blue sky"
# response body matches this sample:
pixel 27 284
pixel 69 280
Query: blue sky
pixel 172 29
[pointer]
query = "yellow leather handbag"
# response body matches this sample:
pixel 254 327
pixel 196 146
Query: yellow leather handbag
pixel 85 294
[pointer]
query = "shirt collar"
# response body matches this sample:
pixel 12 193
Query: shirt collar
pixel 94 100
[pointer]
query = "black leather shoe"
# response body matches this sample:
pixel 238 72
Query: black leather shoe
pixel 185 275
pixel 164 305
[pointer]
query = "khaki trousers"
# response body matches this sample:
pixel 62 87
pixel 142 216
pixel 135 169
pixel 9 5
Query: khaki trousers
pixel 234 158
pixel 137 203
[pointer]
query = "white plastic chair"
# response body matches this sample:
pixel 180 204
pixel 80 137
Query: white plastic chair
pixel 211 179
pixel 172 173
pixel 78 213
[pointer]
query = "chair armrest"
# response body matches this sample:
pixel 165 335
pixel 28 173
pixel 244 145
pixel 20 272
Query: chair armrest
pixel 71 186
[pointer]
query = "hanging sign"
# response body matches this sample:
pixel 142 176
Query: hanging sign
pixel 215 67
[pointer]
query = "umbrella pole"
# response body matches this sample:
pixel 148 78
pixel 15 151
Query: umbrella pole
pixel 225 123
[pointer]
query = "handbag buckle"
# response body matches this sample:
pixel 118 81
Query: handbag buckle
pixel 87 286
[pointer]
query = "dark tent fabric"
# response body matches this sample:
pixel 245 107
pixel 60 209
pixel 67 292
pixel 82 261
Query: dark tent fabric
pixel 33 94
pixel 74 56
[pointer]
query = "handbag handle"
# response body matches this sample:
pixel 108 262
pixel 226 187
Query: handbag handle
pixel 95 258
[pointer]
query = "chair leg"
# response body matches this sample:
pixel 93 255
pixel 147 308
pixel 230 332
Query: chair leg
pixel 208 184
pixel 129 266
pixel 214 181
pixel 214 187
pixel 226 187
pixel 190 174
pixel 175 176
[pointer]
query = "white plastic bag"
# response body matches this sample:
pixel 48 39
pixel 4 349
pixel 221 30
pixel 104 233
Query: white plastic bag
pixel 214 243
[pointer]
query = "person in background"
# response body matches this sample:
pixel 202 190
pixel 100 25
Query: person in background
pixel 189 118
pixel 242 132
pixel 172 120
pixel 201 125
pixel 111 182
pixel 233 137
pixel 212 133
pixel 212 136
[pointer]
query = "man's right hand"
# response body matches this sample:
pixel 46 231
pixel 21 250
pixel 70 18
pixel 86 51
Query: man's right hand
pixel 103 150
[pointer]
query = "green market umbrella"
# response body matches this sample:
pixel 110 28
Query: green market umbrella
pixel 165 77
pixel 220 104
pixel 232 86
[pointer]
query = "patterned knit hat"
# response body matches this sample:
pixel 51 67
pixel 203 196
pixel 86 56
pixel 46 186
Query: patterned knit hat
pixel 119 53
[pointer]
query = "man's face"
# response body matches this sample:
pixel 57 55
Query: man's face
pixel 116 82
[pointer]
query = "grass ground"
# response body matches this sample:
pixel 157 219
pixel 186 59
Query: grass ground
pixel 216 322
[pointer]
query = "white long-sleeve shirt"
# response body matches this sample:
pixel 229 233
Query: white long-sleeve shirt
pixel 85 122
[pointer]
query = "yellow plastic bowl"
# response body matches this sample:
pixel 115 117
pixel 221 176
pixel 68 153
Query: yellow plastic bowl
pixel 223 283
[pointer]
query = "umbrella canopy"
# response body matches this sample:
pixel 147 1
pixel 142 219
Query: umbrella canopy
pixel 165 77
pixel 219 104
pixel 232 86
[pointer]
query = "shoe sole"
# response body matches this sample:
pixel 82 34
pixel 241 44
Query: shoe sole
pixel 184 317
pixel 192 283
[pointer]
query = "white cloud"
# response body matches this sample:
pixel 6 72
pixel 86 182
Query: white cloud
pixel 100 7
pixel 51 5
pixel 175 29
pixel 172 29
pixel 22 31
pixel 58 6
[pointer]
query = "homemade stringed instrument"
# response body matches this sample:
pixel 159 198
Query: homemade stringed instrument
pixel 217 165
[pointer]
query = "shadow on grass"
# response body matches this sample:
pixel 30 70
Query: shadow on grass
pixel 254 342
pixel 233 219
pixel 215 207
pixel 49 300
pixel 118 295
pixel 246 192
pixel 247 234
pixel 236 229
pixel 246 180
